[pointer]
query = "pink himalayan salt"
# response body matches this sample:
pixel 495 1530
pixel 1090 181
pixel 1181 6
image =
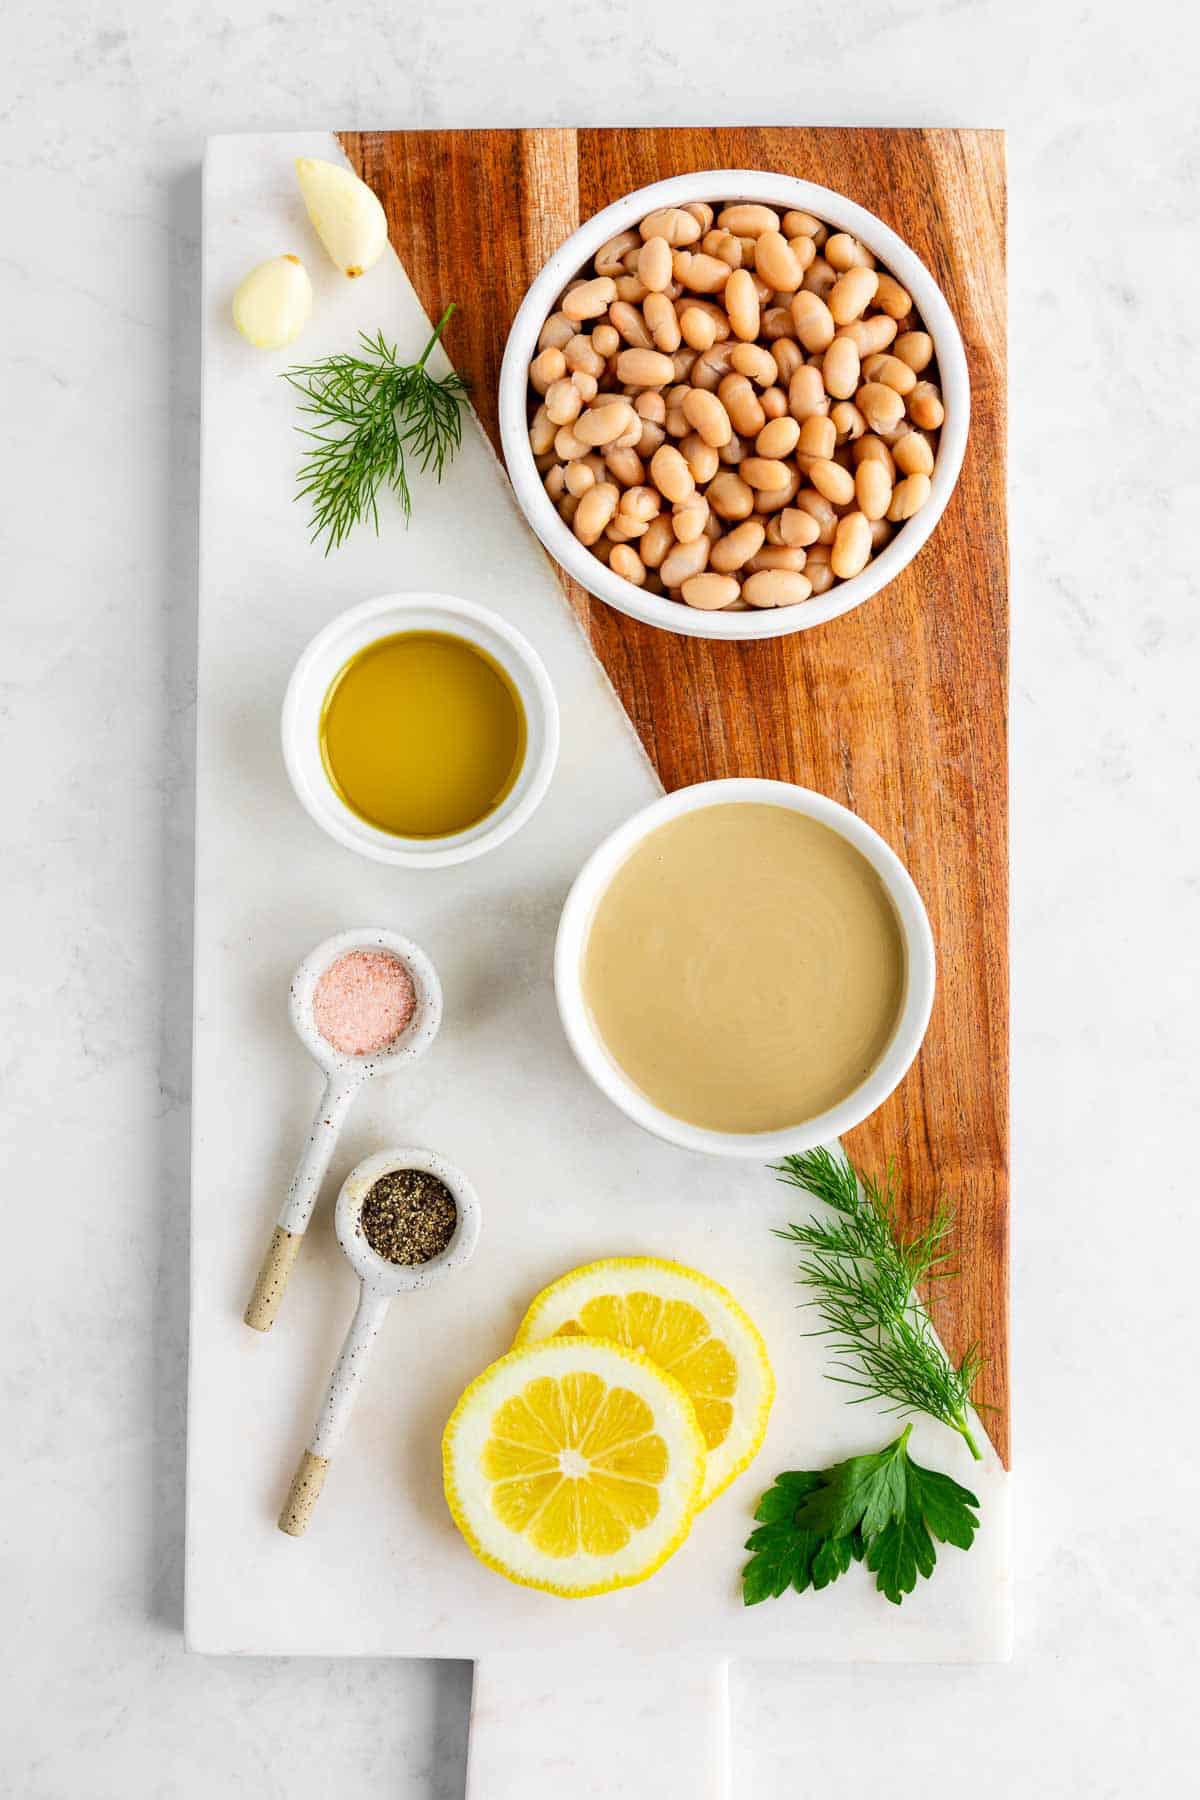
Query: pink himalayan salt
pixel 363 1001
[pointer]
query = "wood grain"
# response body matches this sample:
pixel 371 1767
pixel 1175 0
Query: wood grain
pixel 899 709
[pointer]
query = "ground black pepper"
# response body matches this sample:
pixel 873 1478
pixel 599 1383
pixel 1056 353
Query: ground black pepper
pixel 408 1216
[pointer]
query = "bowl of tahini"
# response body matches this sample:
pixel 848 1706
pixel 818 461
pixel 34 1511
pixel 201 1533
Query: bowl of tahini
pixel 745 968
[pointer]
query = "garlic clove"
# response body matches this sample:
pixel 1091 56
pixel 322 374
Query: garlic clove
pixel 272 306
pixel 345 214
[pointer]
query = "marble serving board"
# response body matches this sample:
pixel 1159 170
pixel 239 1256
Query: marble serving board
pixel 561 1175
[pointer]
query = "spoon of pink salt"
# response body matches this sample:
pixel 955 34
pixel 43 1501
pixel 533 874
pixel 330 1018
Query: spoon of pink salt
pixel 363 1003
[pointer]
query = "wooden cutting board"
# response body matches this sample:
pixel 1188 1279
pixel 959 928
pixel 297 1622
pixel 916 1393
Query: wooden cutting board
pixel 898 710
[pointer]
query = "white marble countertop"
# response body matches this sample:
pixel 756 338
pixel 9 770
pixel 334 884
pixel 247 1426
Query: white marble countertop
pixel 101 133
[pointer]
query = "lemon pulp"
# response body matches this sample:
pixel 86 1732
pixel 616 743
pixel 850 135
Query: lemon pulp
pixel 690 1327
pixel 574 1465
pixel 679 1339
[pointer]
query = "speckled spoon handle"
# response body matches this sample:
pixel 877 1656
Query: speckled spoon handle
pixel 340 1089
pixel 344 1383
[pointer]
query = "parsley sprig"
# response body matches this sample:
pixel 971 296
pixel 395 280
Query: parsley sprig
pixel 372 413
pixel 883 1509
pixel 866 1280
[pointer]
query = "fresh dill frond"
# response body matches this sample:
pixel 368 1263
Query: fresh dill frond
pixel 865 1278
pixel 372 414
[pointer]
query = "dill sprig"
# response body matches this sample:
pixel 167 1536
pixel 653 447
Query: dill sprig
pixel 373 413
pixel 865 1278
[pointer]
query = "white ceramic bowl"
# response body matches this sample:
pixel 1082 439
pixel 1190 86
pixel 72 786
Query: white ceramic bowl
pixel 352 631
pixel 726 185
pixel 589 1047
pixel 417 1035
pixel 405 1278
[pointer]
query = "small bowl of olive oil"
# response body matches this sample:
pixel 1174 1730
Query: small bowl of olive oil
pixel 420 729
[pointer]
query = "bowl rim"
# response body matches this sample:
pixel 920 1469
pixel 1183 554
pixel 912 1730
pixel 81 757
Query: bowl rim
pixel 465 618
pixel 792 192
pixel 585 1041
pixel 390 1279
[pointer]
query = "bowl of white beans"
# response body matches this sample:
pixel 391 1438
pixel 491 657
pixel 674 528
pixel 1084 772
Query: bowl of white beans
pixel 734 404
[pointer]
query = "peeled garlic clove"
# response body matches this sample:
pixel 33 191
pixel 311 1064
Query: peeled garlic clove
pixel 345 214
pixel 271 307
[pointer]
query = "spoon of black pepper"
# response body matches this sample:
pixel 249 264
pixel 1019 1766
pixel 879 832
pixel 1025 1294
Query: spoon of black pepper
pixel 405 1219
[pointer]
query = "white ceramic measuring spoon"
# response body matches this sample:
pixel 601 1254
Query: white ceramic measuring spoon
pixel 381 1281
pixel 344 1076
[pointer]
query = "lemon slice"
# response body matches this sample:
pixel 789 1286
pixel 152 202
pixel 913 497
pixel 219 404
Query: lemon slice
pixel 689 1326
pixel 574 1466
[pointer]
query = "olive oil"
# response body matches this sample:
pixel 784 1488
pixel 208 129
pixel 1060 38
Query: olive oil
pixel 422 734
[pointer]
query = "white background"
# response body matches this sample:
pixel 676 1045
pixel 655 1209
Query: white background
pixel 103 113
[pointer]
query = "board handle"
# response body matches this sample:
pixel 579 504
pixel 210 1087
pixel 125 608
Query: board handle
pixel 643 1728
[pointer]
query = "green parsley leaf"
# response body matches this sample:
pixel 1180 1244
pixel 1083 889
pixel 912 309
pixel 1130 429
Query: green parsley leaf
pixel 945 1506
pixel 865 1491
pixel 902 1550
pixel 781 1501
pixel 882 1508
pixel 782 1558
pixel 834 1558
